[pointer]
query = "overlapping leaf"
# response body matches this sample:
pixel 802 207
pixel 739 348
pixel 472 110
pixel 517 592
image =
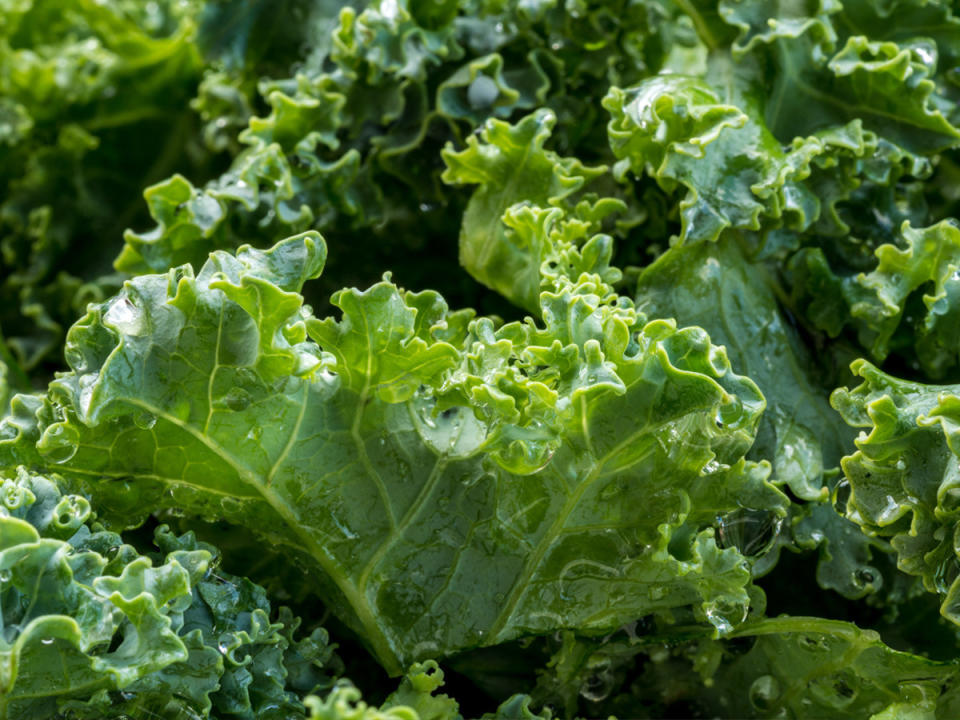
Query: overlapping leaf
pixel 906 304
pixel 794 667
pixel 92 628
pixel 210 395
pixel 903 476
pixel 82 84
pixel 735 172
pixel 511 166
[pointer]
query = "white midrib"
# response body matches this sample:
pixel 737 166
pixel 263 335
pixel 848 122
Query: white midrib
pixel 372 631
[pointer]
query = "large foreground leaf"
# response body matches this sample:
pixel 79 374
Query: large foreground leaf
pixel 458 485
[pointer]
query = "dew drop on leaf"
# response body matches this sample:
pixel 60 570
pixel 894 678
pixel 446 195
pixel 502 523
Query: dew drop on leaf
pixel 837 690
pixel 223 645
pixel 237 399
pixel 482 92
pixel 814 643
pixel 864 577
pixel 124 317
pixel 59 443
pixel 752 532
pixel 725 614
pixel 730 413
pixel 841 496
pixel 144 420
pixel 598 685
pixel 764 692
pixel 455 431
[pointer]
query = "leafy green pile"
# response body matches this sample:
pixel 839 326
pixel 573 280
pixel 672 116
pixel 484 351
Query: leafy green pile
pixel 666 260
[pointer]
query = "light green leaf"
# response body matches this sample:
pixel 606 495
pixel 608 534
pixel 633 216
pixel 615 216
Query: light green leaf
pixel 206 394
pixel 903 477
pixel 511 165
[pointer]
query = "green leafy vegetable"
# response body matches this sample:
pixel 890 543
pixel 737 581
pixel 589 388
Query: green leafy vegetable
pixel 663 262
pixel 94 628
pixel 523 438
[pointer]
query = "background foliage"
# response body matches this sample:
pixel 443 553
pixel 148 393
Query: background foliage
pixel 663 262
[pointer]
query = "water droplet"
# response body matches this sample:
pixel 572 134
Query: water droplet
pixel 901 465
pixel 864 577
pixel 598 685
pixel 124 317
pixel 224 643
pixel 752 532
pixel 945 574
pixel 926 53
pixel 712 466
pixel 47 641
pixel 455 431
pixel 764 692
pixel 144 420
pixel 838 690
pixel 482 92
pixel 611 490
pixel 207 211
pixel 724 615
pixel 237 399
pixel 841 496
pixel 890 512
pixel 5 576
pixel 814 643
pixel 730 413
pixel 59 443
pixel 307 361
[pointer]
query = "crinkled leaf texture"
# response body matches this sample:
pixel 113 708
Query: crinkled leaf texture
pixel 905 476
pixel 458 484
pixel 717 288
pixel 415 699
pixel 94 629
pixel 714 286
pixel 790 667
pixel 82 84
pixel 510 165
pixel 907 302
pixel 812 667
